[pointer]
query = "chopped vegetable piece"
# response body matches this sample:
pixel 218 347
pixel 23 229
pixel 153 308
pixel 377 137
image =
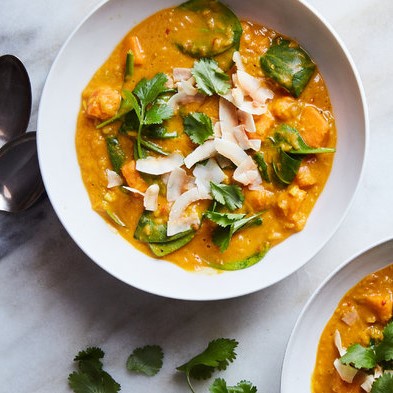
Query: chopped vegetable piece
pixel 290 66
pixel 136 48
pixel 115 218
pixel 129 68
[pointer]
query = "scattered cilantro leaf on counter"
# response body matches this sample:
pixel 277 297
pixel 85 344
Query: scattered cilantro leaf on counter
pixel 230 196
pixel 218 354
pixel 220 386
pixel 360 357
pixel 198 126
pixel 146 360
pixel 384 384
pixel 228 226
pixel 90 377
pixel 210 78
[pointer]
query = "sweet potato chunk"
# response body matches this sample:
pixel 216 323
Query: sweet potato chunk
pixel 313 127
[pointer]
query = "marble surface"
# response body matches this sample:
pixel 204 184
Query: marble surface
pixel 54 301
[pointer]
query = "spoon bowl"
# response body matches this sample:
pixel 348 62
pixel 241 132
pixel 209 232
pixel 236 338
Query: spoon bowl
pixel 20 178
pixel 15 98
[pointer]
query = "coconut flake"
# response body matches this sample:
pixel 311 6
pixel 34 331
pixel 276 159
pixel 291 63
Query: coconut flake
pixel 178 222
pixel 202 152
pixel 204 174
pixel 159 165
pixel 237 59
pixel 247 119
pixel 134 190
pixel 181 74
pixel 247 173
pixel 346 373
pixel 178 182
pixel 230 150
pixel 113 178
pixel 228 119
pixel 338 343
pixel 150 200
pixel 243 141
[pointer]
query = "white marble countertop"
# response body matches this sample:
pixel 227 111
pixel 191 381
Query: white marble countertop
pixel 54 301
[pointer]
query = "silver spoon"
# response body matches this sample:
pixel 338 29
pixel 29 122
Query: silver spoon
pixel 15 98
pixel 20 178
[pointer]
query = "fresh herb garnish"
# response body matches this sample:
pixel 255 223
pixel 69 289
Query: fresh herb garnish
pixel 228 224
pixel 210 78
pixel 220 386
pixel 147 110
pixel 259 158
pixel 91 377
pixel 218 354
pixel 146 360
pixel 115 152
pixel 198 126
pixel 230 196
pixel 384 384
pixel 359 357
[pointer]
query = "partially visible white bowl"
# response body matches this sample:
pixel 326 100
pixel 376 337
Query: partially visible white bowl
pixel 300 356
pixel 86 50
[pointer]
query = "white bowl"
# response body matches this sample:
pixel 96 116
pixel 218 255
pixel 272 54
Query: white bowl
pixel 81 56
pixel 300 356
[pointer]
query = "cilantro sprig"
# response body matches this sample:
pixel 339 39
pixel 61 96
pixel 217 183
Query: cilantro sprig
pixel 220 386
pixel 218 354
pixel 228 224
pixel 230 196
pixel 90 376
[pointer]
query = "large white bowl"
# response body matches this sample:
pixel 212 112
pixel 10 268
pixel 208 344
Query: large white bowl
pixel 86 50
pixel 301 353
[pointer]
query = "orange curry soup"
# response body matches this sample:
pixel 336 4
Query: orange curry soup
pixel 360 318
pixel 251 127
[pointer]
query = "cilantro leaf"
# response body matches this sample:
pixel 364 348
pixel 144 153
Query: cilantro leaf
pixel 210 78
pixel 223 219
pixel 90 377
pixel 146 360
pixel 230 196
pixel 218 354
pixel 147 90
pixel 384 350
pixel 359 357
pixel 157 113
pixel 223 234
pixel 384 384
pixel 220 386
pixel 198 127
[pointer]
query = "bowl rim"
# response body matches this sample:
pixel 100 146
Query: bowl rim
pixel 209 295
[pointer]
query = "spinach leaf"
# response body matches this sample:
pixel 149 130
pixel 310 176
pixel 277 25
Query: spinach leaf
pixel 290 66
pixel 259 158
pixel 162 249
pixel 287 167
pixel 241 263
pixel 217 29
pixel 159 131
pixel 290 140
pixel 116 153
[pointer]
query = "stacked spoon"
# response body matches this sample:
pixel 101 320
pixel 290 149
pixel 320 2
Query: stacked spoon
pixel 20 179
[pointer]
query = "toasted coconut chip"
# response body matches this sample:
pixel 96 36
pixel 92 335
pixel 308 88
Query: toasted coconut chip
pixel 204 174
pixel 134 190
pixel 187 87
pixel 243 141
pixel 230 150
pixel 159 165
pixel 237 59
pixel 247 173
pixel 178 222
pixel 178 182
pixel 247 119
pixel 236 98
pixel 346 373
pixel 181 74
pixel 351 316
pixel 113 178
pixel 338 343
pixel 150 201
pixel 182 98
pixel 202 152
pixel 228 119
pixel 253 87
pixel 217 129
